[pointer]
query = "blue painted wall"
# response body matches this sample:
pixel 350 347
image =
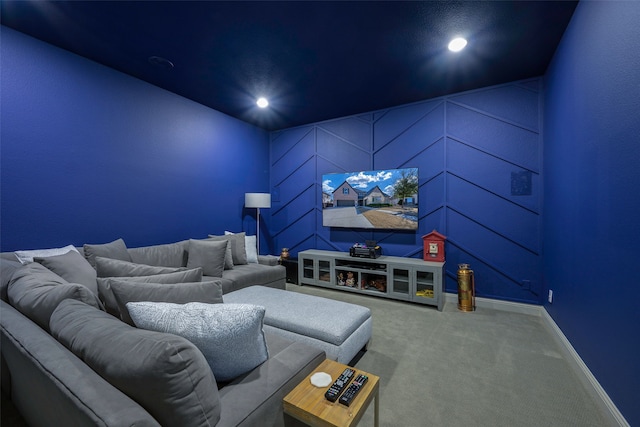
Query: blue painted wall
pixel 466 146
pixel 591 205
pixel 90 155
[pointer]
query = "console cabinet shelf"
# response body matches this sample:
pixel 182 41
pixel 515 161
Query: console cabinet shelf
pixel 406 279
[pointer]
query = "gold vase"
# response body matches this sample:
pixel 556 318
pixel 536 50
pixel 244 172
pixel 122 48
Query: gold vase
pixel 466 288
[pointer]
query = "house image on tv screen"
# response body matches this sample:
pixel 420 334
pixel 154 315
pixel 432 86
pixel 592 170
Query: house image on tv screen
pixel 381 199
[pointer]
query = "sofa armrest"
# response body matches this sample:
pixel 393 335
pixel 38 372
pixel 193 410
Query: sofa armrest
pixel 268 259
pixel 50 384
pixel 256 397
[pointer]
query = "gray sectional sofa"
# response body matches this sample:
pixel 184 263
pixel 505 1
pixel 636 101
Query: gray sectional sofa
pixel 67 361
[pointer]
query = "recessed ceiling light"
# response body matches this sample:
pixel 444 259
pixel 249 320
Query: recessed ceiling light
pixel 262 102
pixel 457 44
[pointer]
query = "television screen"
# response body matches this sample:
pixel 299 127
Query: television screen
pixel 380 199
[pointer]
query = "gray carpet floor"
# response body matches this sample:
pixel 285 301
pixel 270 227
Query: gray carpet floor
pixel 453 368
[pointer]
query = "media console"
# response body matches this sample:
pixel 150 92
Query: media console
pixel 406 279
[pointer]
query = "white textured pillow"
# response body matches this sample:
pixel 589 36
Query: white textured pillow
pixel 25 257
pixel 229 335
pixel 250 247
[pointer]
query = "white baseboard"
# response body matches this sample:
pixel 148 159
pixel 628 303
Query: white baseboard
pixel 514 307
pixel 590 382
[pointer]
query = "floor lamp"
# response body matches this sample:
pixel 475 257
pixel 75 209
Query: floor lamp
pixel 257 200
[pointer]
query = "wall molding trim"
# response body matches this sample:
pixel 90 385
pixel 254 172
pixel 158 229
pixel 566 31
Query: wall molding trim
pixel 580 368
pixel 514 307
pixel 589 381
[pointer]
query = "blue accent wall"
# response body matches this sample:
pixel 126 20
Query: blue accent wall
pixel 468 147
pixel 591 205
pixel 89 155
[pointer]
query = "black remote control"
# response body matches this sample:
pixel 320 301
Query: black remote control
pixel 339 384
pixel 353 389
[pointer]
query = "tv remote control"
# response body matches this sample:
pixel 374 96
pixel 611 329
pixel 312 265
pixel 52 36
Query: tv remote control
pixel 353 389
pixel 339 384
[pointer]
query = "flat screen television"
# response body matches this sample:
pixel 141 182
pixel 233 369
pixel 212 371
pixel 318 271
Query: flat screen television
pixel 385 199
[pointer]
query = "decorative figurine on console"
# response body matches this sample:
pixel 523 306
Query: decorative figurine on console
pixel 378 284
pixel 351 281
pixel 340 279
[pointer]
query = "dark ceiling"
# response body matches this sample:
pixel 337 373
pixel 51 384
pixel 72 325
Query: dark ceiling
pixel 312 60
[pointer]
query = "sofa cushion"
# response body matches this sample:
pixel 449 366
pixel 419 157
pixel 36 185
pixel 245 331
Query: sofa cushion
pixel 228 257
pixel 254 274
pixel 72 267
pixel 110 303
pixel 237 246
pixel 179 293
pixel 7 268
pixel 25 257
pixel 304 314
pixel 229 335
pixel 166 374
pixel 107 267
pixel 166 255
pixel 288 365
pixel 210 255
pixel 250 247
pixel 115 250
pixel 36 291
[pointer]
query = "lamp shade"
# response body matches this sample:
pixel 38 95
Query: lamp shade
pixel 257 200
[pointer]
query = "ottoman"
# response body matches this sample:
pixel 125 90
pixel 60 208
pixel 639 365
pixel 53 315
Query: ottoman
pixel 339 328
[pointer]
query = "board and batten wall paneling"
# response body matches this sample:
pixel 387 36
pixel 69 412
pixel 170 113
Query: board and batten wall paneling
pixel 479 160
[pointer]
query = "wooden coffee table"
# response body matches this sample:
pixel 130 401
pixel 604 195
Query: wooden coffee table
pixel 307 403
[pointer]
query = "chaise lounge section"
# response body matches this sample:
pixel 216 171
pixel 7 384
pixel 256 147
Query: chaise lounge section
pixel 338 328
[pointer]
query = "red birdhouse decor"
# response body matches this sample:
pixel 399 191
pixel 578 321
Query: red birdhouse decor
pixel 433 246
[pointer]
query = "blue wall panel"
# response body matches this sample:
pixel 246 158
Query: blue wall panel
pixel 466 147
pixel 591 229
pixel 388 124
pixel 491 173
pixel 90 155
pixel 516 104
pixel 353 129
pixel 506 219
pixel 414 138
pixel 290 140
pixel 494 136
pixel 341 152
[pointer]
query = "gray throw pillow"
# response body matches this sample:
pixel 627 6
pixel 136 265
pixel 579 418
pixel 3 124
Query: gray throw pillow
pixel 166 255
pixel 166 374
pixel 228 256
pixel 109 300
pixel 36 291
pixel 115 250
pixel 250 246
pixel 229 335
pixel 107 267
pixel 209 255
pixel 238 249
pixel 179 293
pixel 25 257
pixel 72 267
